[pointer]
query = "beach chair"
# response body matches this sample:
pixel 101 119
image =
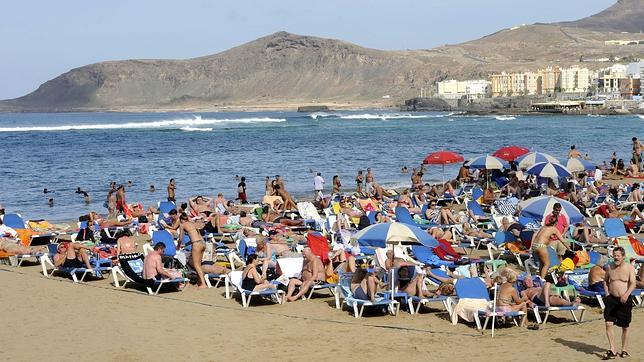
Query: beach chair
pixel 483 219
pixel 501 238
pixel 358 305
pixel 474 288
pixel 246 295
pixel 418 301
pixel 427 257
pixel 98 266
pixel 130 268
pixel 403 216
pixel 27 237
pixel 629 252
pixel 166 206
pixel 537 310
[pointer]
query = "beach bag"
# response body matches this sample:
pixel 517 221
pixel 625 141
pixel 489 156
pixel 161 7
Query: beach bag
pixel 581 258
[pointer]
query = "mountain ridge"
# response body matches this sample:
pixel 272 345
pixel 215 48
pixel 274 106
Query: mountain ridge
pixel 285 68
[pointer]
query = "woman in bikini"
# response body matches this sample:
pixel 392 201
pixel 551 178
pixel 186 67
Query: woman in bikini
pixel 508 299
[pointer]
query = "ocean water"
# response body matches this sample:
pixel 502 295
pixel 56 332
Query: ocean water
pixel 204 151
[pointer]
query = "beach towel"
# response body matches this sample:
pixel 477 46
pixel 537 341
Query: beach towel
pixel 466 308
pixel 445 251
pixel 637 245
pixel 319 246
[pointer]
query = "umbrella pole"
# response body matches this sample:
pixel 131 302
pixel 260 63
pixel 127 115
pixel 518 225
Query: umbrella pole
pixel 391 277
pixel 494 309
pixel 443 174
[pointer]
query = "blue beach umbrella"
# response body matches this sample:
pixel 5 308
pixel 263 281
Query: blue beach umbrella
pixel 488 162
pixel 379 235
pixel 529 159
pixel 538 207
pixel 549 170
pixel 578 165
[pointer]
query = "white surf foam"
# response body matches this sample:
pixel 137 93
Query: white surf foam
pixel 195 129
pixel 641 116
pixel 172 123
pixel 505 118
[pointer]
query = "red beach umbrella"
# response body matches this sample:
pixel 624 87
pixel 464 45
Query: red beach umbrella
pixel 443 158
pixel 510 153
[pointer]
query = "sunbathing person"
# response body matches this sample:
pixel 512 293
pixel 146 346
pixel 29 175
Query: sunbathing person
pixel 268 254
pixel 508 299
pixel 511 226
pixel 640 279
pixel 413 286
pixel 440 234
pixel 364 284
pixel 202 206
pixel 125 244
pixel 633 170
pixel 473 231
pixel 209 264
pixel 312 273
pixel 289 203
pixel 251 279
pixel 583 234
pixel 245 219
pixel 198 246
pixel 171 223
pixel 103 223
pixel 540 296
pixel 394 262
pixel 72 255
pixel 14 246
pixel 153 265
pixel 542 239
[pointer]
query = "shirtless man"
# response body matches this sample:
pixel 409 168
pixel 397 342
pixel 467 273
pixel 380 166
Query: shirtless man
pixel 153 266
pixel 547 236
pixel 574 153
pixel 268 186
pixel 244 219
pixel 312 272
pixel 171 190
pixel 359 179
pixel 125 245
pixel 597 280
pixel 13 246
pixel 201 205
pixel 198 246
pixel 221 206
pixel 279 182
pixel 620 277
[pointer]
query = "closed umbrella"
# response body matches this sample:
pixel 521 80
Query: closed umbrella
pixel 443 158
pixel 529 159
pixel 578 165
pixel 510 153
pixel 549 170
pixel 538 207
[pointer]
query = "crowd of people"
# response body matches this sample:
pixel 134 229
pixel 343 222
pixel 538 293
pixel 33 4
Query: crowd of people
pixel 282 227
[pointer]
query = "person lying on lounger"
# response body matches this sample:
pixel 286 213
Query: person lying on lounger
pixel 413 285
pixel 14 246
pixel 202 206
pixel 312 273
pixel 72 255
pixel 540 296
pixel 597 279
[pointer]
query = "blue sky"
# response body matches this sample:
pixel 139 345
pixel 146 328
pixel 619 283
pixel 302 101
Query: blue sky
pixel 42 39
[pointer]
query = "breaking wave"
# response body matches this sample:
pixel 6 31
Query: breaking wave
pixel 187 124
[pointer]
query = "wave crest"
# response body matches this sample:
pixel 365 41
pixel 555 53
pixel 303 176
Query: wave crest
pixel 162 124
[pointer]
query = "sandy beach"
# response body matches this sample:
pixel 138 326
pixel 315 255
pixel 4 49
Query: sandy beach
pixel 47 316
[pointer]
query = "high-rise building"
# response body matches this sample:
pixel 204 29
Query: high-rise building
pixel 508 84
pixel 532 83
pixel 575 80
pixel 550 79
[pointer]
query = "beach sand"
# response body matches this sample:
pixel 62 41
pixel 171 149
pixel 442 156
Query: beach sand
pixel 59 320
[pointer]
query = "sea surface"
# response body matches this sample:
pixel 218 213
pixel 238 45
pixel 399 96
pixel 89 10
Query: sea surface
pixel 205 151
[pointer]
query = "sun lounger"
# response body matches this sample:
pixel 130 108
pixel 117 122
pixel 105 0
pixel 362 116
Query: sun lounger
pixel 474 289
pixel 246 295
pixel 548 310
pixel 130 268
pixel 403 216
pixel 358 305
pixel 98 266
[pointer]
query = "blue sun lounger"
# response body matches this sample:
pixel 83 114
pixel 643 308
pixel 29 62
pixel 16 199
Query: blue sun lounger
pixel 358 305
pixel 98 266
pixel 474 288
pixel 275 295
pixel 130 268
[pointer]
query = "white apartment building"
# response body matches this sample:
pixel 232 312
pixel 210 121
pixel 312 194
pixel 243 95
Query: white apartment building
pixel 455 89
pixel 635 70
pixel 575 80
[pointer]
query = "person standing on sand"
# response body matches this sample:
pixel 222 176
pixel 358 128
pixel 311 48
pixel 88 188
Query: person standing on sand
pixel 318 186
pixel 573 153
pixel 120 199
pixel 336 185
pixel 198 246
pixel 268 187
pixel 359 179
pixel 241 191
pixel 369 181
pixel 620 277
pixel 171 190
pixel 637 151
